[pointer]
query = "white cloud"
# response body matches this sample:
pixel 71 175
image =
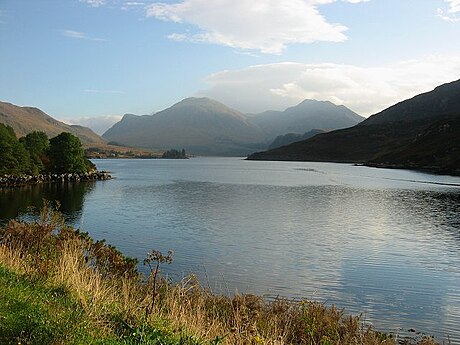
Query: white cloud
pixel 94 3
pixel 80 35
pixel 452 10
pixel 454 6
pixel 177 37
pixel 73 34
pixel 365 90
pixel 130 5
pixel 98 124
pixel 265 25
pixel 134 3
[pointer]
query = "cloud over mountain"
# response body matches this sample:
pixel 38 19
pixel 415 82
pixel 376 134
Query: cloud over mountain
pixel 365 90
pixel 98 124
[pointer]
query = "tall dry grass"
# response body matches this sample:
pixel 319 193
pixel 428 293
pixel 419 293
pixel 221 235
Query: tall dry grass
pixel 108 286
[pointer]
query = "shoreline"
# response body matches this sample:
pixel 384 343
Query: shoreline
pixel 434 170
pixel 429 170
pixel 10 181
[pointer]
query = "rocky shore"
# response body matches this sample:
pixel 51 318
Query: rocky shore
pixel 14 181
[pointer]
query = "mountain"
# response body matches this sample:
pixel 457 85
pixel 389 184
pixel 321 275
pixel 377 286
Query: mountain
pixel 199 125
pixel 307 115
pixel 27 119
pixel 206 127
pixel 436 148
pixel 444 100
pixel 420 133
pixel 283 140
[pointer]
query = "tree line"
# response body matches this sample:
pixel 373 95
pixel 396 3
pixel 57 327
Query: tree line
pixel 36 154
pixel 174 154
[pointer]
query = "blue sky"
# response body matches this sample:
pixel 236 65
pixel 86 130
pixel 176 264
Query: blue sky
pixel 91 61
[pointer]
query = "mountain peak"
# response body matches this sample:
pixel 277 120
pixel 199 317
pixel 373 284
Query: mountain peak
pixel 198 100
pixel 316 104
pixel 128 117
pixel 202 102
pixel 314 101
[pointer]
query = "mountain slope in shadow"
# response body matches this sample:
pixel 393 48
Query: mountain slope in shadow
pixel 418 133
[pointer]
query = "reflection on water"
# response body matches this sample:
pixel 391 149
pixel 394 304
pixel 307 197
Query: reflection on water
pixel 382 242
pixel 17 202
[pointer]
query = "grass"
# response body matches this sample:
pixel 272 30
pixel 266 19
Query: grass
pixel 58 286
pixel 32 312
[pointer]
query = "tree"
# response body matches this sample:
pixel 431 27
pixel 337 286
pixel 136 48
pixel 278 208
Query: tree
pixel 37 143
pixel 174 154
pixel 66 154
pixel 14 158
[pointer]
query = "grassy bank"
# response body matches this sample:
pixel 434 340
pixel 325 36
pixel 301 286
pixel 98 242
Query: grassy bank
pixel 58 286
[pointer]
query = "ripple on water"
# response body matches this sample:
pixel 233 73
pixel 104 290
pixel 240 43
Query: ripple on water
pixel 385 243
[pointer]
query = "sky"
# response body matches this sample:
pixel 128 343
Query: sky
pixel 91 61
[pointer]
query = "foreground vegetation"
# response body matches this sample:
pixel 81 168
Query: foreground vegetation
pixel 58 286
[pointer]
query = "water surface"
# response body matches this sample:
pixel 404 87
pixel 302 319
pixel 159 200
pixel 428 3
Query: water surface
pixel 385 243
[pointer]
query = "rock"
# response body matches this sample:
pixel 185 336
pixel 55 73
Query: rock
pixel 14 181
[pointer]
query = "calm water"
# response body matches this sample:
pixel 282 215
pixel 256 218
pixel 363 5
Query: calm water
pixel 385 243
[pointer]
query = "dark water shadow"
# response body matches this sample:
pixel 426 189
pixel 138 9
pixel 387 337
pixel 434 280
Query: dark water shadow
pixel 18 202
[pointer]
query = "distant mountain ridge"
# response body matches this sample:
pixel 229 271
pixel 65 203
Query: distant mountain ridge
pixel 283 140
pixel 421 133
pixel 305 116
pixel 27 119
pixel 207 127
pixel 199 125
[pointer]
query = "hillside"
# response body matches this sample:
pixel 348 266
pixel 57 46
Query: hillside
pixel 424 136
pixel 436 148
pixel 199 125
pixel 304 117
pixel 27 119
pixel 206 127
pixel 444 100
pixel 283 140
